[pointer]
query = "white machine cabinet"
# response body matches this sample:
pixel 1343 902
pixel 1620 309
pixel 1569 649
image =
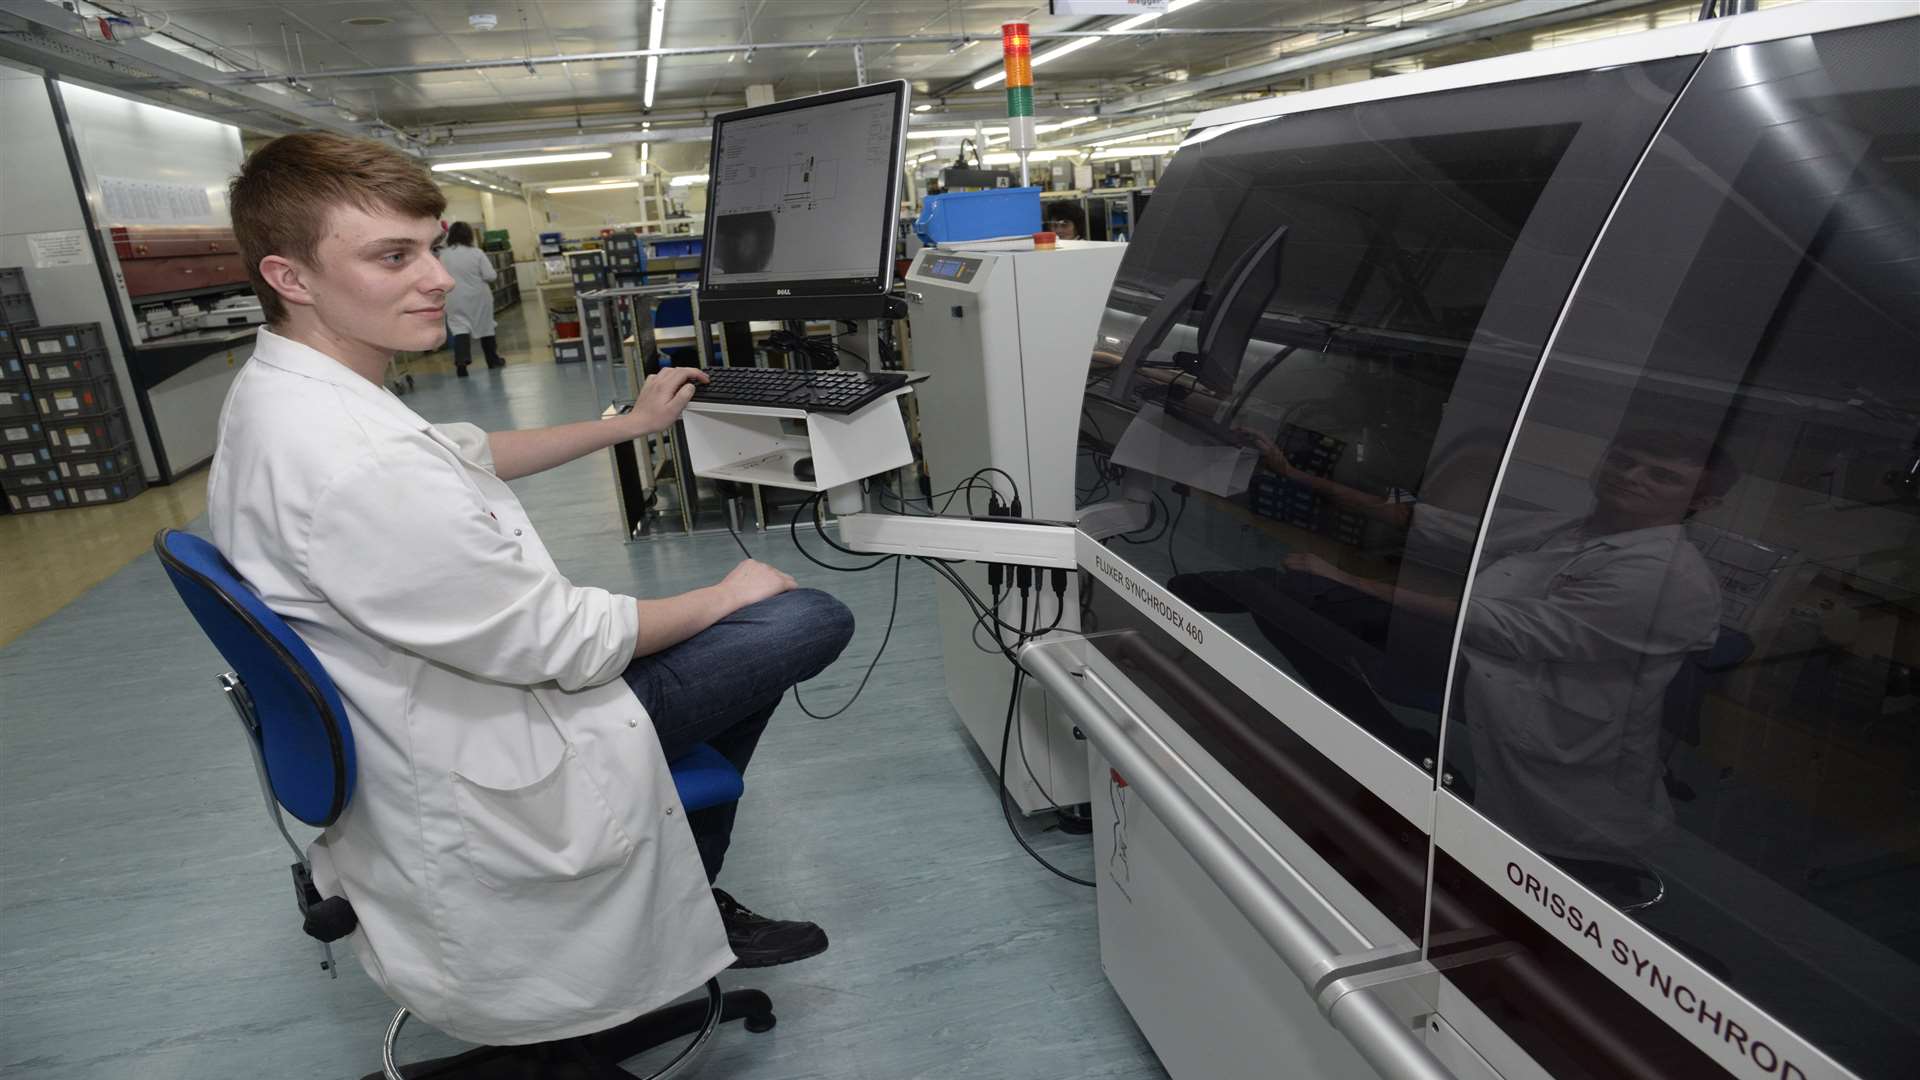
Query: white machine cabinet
pixel 1006 336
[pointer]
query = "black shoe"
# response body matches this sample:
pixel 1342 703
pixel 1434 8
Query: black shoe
pixel 759 942
pixel 460 370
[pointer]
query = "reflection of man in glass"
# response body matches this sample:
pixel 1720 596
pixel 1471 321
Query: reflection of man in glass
pixel 1575 627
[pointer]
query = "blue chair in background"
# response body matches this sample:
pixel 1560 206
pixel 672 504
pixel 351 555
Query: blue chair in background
pixel 676 311
pixel 303 751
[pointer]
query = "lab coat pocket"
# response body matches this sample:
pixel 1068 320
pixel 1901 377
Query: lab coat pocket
pixel 558 828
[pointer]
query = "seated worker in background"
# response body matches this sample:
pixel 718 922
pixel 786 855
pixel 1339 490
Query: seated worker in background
pixel 516 852
pixel 1066 220
pixel 470 304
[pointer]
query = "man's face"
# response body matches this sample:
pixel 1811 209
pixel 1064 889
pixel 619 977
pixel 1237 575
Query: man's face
pixel 1064 229
pixel 378 280
pixel 1643 487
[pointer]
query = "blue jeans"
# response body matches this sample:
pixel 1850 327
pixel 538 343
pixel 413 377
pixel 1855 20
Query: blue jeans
pixel 721 686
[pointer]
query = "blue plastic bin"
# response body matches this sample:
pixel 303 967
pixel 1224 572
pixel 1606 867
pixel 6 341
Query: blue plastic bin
pixel 979 215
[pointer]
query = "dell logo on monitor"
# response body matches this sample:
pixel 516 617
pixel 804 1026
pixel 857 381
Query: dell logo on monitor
pixel 783 292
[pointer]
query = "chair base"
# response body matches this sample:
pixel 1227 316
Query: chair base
pixel 596 1056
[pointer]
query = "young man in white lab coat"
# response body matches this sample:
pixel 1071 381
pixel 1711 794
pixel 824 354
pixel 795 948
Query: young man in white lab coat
pixel 515 852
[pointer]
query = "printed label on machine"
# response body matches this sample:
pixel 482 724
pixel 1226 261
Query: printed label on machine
pixel 1707 1012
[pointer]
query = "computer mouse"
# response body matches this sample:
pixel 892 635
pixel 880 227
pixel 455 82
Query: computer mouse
pixel 803 469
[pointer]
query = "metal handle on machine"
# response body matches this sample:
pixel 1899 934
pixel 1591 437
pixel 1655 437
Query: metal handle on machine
pixel 1386 1043
pixel 914 296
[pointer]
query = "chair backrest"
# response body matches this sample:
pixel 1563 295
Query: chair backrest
pixel 673 311
pixel 1680 713
pixel 303 733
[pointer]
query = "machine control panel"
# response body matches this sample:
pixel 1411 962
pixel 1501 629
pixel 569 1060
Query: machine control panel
pixel 946 267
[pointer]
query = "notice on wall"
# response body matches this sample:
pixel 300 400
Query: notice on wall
pixel 153 202
pixel 65 248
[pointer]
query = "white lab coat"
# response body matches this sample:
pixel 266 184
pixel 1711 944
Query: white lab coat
pixel 515 851
pixel 1570 641
pixel 470 304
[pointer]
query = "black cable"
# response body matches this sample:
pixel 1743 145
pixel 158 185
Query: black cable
pixel 793 530
pixel 877 653
pixel 1173 528
pixel 974 603
pixel 737 540
pixel 1163 517
pixel 1006 800
pixel 968 485
pixel 1011 482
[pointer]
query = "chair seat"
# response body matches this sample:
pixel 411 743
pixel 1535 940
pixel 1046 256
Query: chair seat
pixel 704 778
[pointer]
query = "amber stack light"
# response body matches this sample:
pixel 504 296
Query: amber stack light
pixel 1016 47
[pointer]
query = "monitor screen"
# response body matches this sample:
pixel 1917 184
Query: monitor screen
pixel 802 196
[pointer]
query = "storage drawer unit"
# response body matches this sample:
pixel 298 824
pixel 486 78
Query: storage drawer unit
pixel 17 401
pixel 106 489
pixel 78 398
pixel 50 499
pixel 81 438
pixel 94 466
pixel 95 365
pixel 21 433
pixel 9 354
pixel 16 303
pixel 17 311
pixel 69 340
pixel 23 481
pixel 24 459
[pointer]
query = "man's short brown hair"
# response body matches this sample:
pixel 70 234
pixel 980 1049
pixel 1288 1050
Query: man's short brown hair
pixel 286 189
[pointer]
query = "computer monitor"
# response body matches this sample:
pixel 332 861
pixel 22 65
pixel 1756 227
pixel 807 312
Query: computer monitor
pixel 802 203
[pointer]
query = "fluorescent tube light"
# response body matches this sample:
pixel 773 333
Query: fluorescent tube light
pixel 571 188
pixel 654 30
pixel 1110 152
pixel 536 159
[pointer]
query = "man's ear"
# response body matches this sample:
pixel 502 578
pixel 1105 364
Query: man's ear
pixel 287 278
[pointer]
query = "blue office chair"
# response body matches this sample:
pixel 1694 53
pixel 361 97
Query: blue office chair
pixel 303 751
pixel 672 312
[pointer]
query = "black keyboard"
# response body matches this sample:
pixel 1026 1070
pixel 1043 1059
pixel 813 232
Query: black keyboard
pixel 832 391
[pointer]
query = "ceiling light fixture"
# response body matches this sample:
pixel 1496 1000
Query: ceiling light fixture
pixel 1076 44
pixel 688 180
pixel 953 133
pixel 655 29
pixel 923 107
pixel 1008 157
pixel 1062 125
pixel 573 188
pixel 1106 153
pixel 537 159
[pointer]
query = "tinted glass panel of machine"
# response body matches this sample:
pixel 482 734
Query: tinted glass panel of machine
pixel 1688 664
pixel 1329 321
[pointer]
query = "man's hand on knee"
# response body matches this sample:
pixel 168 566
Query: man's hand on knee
pixel 753 581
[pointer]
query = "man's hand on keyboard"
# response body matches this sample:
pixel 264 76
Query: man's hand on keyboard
pixel 663 397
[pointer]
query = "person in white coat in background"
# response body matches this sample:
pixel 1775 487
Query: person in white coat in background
pixel 516 854
pixel 470 304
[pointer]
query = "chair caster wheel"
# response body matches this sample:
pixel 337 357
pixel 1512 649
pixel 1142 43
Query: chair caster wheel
pixel 760 1024
pixel 409 381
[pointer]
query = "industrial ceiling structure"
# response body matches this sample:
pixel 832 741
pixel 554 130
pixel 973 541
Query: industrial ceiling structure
pixel 463 81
